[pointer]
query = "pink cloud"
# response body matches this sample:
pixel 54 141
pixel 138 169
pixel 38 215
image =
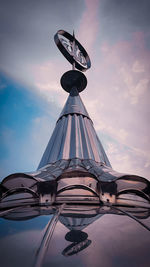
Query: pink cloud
pixel 117 100
pixel 89 24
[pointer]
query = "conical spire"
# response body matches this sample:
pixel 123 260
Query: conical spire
pixel 74 135
pixel 74 105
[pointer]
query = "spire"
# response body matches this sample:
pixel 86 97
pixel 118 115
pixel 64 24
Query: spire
pixel 74 167
pixel 74 135
pixel 74 105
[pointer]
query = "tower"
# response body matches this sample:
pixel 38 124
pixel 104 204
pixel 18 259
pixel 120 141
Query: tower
pixel 74 167
pixel 73 187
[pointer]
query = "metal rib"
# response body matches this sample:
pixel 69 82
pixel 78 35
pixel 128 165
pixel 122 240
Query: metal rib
pixel 74 137
pixel 47 237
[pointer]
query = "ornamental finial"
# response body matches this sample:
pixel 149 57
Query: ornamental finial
pixel 72 50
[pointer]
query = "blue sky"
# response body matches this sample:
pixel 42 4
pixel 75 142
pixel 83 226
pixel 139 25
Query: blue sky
pixel 116 35
pixel 19 109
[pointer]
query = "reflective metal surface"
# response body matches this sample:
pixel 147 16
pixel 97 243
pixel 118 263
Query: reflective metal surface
pixel 72 235
pixel 74 137
pixel 115 241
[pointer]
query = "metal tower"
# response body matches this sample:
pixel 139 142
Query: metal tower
pixel 74 167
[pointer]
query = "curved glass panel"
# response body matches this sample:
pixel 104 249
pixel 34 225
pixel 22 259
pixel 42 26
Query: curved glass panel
pixel 87 181
pixel 17 180
pixel 77 186
pixel 131 182
pixel 76 192
pixel 16 198
pixel 133 197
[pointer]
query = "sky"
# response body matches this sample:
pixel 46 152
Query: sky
pixel 116 35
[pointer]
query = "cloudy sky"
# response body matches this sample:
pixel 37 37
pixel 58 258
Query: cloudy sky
pixel 116 34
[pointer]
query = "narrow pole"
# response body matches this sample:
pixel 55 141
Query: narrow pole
pixel 73 50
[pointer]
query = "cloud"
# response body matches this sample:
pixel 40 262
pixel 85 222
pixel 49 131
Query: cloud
pixel 27 31
pixel 135 88
pixel 127 159
pixel 137 67
pixel 122 18
pixel 120 82
pixel 89 24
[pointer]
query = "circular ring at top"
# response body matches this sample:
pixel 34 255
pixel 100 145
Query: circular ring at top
pixel 72 50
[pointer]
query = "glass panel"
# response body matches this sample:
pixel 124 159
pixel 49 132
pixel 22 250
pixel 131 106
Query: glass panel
pixel 14 182
pixel 87 181
pixel 132 197
pixel 16 199
pixel 76 192
pixel 134 184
